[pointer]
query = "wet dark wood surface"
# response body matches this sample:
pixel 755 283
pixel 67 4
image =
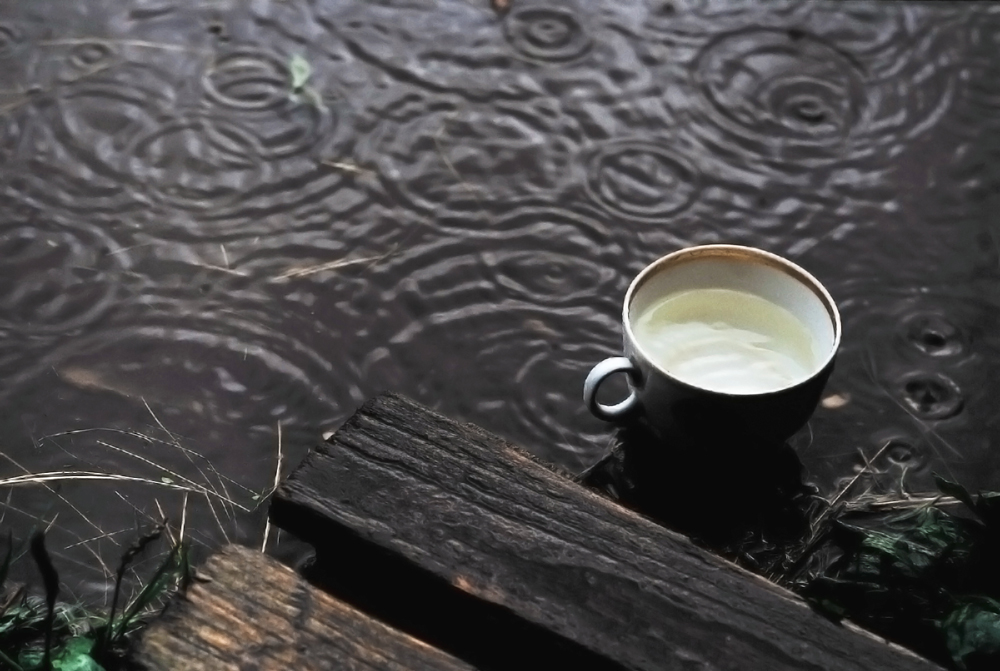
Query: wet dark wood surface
pixel 408 509
pixel 250 612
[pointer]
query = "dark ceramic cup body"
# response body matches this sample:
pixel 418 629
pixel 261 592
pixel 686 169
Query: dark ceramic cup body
pixel 681 410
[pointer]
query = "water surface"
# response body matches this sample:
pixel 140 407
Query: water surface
pixel 218 218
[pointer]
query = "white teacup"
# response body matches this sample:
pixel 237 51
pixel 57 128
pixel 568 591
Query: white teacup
pixel 722 341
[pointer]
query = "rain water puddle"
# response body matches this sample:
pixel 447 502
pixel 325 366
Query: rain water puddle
pixel 221 218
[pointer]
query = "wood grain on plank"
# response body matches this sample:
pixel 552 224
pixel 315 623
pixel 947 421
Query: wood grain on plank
pixel 251 612
pixel 458 509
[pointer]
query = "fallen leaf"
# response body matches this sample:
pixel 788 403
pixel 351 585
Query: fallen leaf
pixel 301 71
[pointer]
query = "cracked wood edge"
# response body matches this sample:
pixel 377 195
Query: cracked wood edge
pixel 248 611
pixel 465 511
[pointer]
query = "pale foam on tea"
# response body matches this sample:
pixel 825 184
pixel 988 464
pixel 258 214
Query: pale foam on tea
pixel 726 340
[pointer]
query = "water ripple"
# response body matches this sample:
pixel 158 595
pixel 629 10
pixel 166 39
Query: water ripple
pixel 981 72
pixel 119 143
pixel 75 137
pixel 520 375
pixel 206 361
pixel 257 85
pixel 439 152
pixel 525 376
pixel 540 287
pixel 930 395
pixel 550 34
pixel 528 255
pixel 440 48
pixel 216 374
pixel 686 23
pixel 464 50
pixel 249 80
pixel 912 367
pixel 56 278
pixel 87 58
pixel 195 161
pixel 933 333
pixel 641 180
pixel 775 88
pixel 816 95
pixel 11 40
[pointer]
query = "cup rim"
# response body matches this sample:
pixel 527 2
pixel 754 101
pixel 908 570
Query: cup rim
pixel 790 268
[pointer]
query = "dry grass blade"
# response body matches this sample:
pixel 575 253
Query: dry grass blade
pixel 62 498
pixel 331 265
pixel 184 515
pixel 347 167
pixel 83 516
pixel 277 481
pixel 475 192
pixel 92 539
pixel 69 476
pixel 218 520
pixel 820 526
pixel 49 525
pixel 886 503
pixel 188 454
pixel 141 44
pixel 173 442
pixel 222 269
pixel 189 484
pixel 850 485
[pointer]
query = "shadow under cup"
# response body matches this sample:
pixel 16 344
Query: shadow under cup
pixel 679 409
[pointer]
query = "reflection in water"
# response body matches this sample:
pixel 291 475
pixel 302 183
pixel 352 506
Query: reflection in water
pixel 197 244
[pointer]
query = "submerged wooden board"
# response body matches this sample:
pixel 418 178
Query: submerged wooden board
pixel 250 612
pixel 407 508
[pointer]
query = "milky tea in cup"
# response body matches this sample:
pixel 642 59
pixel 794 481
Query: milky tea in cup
pixel 723 338
pixel 727 340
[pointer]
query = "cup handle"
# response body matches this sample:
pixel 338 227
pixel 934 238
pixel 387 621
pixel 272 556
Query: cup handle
pixel 601 372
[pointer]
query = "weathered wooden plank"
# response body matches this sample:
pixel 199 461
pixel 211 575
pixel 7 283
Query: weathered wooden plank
pixel 419 509
pixel 251 612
